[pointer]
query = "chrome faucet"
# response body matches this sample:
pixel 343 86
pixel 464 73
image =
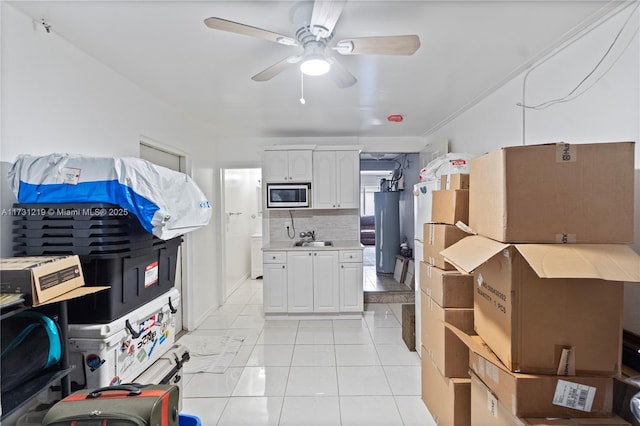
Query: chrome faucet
pixel 308 234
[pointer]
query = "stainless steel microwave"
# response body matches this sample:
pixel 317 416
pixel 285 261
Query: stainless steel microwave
pixel 288 195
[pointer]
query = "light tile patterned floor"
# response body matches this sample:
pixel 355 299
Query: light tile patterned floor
pixel 382 288
pixel 307 372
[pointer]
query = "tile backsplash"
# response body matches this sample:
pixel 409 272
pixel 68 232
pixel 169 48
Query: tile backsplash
pixel 342 224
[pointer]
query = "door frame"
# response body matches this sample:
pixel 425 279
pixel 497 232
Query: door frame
pixel 183 251
pixel 222 223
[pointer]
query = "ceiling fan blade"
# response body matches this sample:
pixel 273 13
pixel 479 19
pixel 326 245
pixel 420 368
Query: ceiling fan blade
pixel 385 45
pixel 234 27
pixel 324 16
pixel 276 68
pixel 340 75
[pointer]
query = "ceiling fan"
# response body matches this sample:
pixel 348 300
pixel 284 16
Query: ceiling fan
pixel 315 21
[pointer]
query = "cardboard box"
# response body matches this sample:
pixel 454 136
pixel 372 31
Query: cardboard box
pixel 450 206
pixel 449 289
pixel 454 181
pixel 542 395
pixel 448 400
pixel 449 354
pixel 486 409
pixel 409 325
pixel 598 421
pixel 554 193
pixel 549 308
pixel 400 269
pixel 44 279
pixel 437 237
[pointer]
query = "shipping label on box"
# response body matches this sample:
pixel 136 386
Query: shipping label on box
pixel 554 193
pixel 533 302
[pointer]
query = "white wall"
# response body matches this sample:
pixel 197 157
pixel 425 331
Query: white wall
pixel 56 98
pixel 608 112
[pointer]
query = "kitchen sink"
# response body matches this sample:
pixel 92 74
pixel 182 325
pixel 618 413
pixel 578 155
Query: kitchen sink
pixel 314 244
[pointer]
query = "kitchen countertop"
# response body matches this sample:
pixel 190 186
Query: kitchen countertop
pixel 337 245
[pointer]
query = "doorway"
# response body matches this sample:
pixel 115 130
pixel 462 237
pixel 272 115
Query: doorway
pixel 242 221
pixel 382 175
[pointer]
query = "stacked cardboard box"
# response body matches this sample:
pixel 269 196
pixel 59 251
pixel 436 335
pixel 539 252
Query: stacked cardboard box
pixel 451 201
pixel 446 298
pixel 548 316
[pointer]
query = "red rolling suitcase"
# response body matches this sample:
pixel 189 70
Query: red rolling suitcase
pixel 123 405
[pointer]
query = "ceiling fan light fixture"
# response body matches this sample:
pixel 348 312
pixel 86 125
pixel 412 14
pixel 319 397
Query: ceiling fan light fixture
pixel 315 65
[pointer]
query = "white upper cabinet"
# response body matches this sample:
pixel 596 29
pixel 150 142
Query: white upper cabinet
pixel 287 166
pixel 336 179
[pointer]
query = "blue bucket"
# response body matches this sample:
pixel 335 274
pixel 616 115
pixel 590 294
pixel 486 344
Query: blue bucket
pixel 188 420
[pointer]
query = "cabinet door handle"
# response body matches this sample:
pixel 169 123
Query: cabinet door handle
pixel 315 254
pixel 342 266
pixel 282 266
pixel 274 258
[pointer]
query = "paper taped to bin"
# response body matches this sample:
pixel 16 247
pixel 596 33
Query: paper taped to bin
pixel 166 202
pixel 210 354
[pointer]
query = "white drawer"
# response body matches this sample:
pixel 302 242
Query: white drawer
pixel 274 257
pixel 350 255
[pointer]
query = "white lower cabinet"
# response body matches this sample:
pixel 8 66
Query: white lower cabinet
pixel 300 281
pixel 313 281
pixel 274 282
pixel 326 281
pixel 351 283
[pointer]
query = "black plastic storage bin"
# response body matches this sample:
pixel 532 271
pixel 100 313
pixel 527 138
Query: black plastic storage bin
pixel 135 279
pixel 84 229
pixel 114 250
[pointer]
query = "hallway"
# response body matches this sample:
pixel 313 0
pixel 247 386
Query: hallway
pixel 382 288
pixel 308 372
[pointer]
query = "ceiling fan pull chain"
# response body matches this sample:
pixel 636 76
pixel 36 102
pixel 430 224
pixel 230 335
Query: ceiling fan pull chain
pixel 302 100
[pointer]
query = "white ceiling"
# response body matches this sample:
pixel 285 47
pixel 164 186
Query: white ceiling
pixel 468 48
